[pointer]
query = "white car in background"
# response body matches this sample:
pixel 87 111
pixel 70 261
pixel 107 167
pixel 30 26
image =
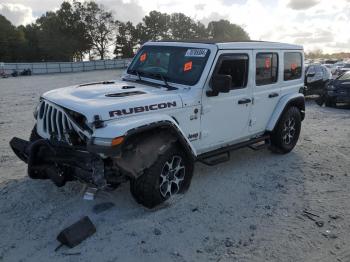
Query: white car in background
pixel 331 67
pixel 344 69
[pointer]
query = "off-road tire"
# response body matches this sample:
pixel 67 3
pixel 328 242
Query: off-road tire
pixel 146 188
pixel 278 136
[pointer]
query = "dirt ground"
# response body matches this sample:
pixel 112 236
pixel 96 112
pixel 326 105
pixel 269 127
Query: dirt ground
pixel 248 209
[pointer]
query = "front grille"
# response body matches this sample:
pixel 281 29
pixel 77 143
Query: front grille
pixel 53 121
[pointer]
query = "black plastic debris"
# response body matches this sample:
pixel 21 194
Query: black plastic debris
pixel 76 233
pixel 99 208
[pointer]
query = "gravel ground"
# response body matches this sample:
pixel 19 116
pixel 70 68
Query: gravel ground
pixel 248 209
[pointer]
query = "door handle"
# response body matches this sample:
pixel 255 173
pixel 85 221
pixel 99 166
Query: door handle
pixel 244 101
pixel 273 95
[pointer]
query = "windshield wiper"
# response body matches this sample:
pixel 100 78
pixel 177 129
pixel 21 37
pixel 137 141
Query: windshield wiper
pixel 163 78
pixel 158 75
pixel 137 72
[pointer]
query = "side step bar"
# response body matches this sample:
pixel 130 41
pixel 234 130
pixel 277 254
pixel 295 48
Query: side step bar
pixel 223 154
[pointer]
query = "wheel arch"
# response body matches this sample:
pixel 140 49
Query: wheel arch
pixel 297 100
pixel 171 128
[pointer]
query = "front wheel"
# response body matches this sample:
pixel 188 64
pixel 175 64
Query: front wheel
pixel 169 175
pixel 286 134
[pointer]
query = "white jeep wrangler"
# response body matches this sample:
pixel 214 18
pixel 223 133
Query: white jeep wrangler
pixel 176 104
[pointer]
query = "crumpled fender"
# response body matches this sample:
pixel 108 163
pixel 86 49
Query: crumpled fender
pixel 131 125
pixel 144 154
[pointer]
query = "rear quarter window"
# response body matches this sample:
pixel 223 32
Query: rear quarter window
pixel 292 66
pixel 266 68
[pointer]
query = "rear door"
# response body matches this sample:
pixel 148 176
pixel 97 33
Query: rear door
pixel 266 88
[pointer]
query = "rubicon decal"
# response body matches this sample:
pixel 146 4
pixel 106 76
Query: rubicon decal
pixel 140 109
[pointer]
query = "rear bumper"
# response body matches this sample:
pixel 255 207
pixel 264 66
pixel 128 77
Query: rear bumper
pixel 58 162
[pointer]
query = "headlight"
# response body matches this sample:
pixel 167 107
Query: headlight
pixel 99 141
pixel 331 87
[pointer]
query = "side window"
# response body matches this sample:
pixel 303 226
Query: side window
pixel 266 68
pixel 292 66
pixel 235 65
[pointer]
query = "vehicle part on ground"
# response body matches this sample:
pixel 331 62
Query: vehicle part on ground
pixel 76 233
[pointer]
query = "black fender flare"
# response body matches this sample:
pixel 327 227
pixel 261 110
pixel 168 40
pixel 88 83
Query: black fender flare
pixel 162 125
pixel 297 101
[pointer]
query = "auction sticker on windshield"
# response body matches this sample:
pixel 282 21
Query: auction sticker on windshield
pixel 196 52
pixel 143 57
pixel 188 66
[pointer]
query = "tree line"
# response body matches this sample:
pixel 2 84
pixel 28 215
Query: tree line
pixel 81 29
pixel 318 53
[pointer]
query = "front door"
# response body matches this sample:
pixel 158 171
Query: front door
pixel 225 117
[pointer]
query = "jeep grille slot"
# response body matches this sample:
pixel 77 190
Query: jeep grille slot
pixel 54 121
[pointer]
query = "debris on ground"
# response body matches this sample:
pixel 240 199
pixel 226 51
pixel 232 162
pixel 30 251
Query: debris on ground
pixel 312 216
pixel 99 208
pixel 76 233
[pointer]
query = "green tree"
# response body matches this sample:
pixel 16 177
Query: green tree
pixel 201 31
pixel 10 40
pixel 127 40
pixel 30 50
pixel 63 35
pixel 223 30
pixel 100 26
pixel 74 29
pixel 155 26
pixel 182 27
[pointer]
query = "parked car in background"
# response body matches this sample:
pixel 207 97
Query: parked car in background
pixel 332 68
pixel 345 68
pixel 337 90
pixel 316 79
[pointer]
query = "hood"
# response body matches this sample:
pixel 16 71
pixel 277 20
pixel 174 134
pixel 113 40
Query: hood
pixel 114 99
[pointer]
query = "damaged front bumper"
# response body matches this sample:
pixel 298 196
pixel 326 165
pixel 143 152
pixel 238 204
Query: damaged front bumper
pixel 60 162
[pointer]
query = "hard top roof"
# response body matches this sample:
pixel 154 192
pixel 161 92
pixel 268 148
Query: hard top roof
pixel 251 44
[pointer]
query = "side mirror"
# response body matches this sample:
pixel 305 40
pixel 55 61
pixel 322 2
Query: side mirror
pixel 220 84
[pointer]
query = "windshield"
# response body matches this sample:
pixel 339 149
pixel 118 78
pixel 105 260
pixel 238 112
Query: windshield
pixel 181 65
pixel 345 76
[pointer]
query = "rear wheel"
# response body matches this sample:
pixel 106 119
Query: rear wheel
pixel 169 175
pixel 286 134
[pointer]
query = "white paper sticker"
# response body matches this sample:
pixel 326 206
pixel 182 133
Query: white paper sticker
pixel 196 52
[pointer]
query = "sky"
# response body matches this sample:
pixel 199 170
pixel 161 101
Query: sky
pixel 315 24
